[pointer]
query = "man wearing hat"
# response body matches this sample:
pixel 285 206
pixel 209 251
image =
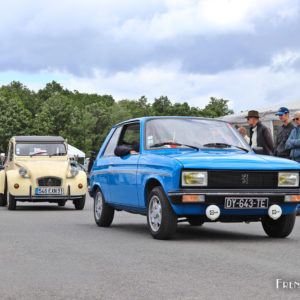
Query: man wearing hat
pixel 283 133
pixel 260 135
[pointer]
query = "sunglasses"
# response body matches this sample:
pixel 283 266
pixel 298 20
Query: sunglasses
pixel 296 119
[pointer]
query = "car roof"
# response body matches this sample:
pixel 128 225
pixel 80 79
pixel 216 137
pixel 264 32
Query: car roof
pixel 37 138
pixel 142 119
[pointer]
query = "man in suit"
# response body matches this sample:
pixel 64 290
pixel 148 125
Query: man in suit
pixel 260 135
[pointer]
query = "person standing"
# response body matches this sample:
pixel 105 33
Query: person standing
pixel 260 135
pixel 293 142
pixel 243 132
pixel 283 133
pixel 91 161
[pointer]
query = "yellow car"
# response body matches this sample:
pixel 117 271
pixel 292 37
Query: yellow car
pixel 38 170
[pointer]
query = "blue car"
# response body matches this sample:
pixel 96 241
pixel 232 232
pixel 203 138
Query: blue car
pixel 176 169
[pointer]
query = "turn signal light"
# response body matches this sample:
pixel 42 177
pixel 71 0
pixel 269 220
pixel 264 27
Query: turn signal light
pixel 291 198
pixel 16 186
pixel 193 198
pixel 80 185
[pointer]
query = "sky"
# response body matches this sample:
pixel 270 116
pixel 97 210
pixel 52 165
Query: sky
pixel 244 51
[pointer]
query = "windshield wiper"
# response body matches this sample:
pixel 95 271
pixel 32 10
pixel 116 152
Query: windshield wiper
pixel 39 153
pixel 58 154
pixel 223 145
pixel 172 143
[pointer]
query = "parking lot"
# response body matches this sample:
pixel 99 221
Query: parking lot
pixel 49 252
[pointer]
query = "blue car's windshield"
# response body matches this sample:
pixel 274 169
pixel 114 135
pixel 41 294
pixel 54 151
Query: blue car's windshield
pixel 191 132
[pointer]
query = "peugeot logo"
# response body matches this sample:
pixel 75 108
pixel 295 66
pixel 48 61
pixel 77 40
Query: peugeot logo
pixel 245 178
pixel 49 183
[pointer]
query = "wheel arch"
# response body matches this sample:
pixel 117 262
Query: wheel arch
pixel 150 185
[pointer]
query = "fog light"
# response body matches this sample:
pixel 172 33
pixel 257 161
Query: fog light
pixel 290 198
pixel 80 185
pixel 193 198
pixel 16 186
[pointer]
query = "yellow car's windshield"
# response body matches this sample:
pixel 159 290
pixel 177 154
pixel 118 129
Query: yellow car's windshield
pixel 33 149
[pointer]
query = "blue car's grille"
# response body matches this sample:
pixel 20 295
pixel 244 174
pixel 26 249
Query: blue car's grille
pixel 242 179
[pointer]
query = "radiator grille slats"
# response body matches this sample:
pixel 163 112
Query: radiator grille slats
pixel 242 179
pixel 49 181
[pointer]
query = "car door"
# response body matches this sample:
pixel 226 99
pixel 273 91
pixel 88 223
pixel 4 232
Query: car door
pixel 123 170
pixel 102 166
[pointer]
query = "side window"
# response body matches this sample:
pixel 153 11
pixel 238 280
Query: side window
pixel 11 152
pixel 112 144
pixel 130 135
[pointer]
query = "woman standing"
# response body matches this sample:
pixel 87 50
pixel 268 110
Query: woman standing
pixel 293 142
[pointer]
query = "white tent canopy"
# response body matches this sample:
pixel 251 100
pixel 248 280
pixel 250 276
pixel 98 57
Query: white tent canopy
pixel 267 115
pixel 72 151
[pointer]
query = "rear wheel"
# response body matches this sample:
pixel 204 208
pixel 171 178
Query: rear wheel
pixel 79 204
pixel 280 228
pixel 103 213
pixel 61 202
pixel 12 203
pixel 161 219
pixel 195 221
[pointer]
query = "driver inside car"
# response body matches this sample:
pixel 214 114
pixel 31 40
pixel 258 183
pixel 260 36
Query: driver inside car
pixel 123 150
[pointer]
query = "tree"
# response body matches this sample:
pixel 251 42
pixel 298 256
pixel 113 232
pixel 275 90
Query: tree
pixel 14 120
pixel 216 108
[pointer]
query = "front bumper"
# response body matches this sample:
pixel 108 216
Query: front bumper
pixel 47 198
pixel 217 197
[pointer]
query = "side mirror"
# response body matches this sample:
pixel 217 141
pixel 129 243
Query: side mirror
pixel 258 150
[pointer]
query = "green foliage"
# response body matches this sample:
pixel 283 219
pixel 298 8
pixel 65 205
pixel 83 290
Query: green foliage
pixel 84 119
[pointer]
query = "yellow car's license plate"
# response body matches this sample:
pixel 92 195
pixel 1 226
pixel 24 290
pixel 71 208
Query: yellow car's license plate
pixel 49 191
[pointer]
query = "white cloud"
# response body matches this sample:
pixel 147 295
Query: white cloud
pixel 245 88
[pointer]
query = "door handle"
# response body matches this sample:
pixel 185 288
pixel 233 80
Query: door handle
pixel 111 163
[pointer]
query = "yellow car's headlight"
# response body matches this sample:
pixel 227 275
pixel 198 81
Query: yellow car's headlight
pixel 193 178
pixel 288 179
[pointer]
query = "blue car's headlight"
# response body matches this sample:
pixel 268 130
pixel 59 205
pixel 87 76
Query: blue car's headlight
pixel 288 179
pixel 194 178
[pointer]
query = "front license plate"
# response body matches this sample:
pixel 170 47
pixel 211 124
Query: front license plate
pixel 49 191
pixel 236 203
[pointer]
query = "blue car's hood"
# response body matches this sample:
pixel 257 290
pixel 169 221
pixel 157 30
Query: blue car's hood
pixel 231 159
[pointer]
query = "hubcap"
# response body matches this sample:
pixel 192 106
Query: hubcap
pixel 155 213
pixel 98 205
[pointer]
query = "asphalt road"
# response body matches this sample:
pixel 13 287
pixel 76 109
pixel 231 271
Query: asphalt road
pixel 47 252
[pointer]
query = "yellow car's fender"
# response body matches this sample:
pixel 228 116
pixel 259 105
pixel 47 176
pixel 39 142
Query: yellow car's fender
pixel 2 181
pixel 12 177
pixel 79 179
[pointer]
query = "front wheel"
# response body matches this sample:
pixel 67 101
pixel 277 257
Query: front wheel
pixel 280 228
pixel 79 204
pixel 3 200
pixel 161 219
pixel 103 213
pixel 12 203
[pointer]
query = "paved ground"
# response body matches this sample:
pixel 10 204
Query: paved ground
pixel 48 252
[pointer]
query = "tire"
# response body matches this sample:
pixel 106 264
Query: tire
pixel 103 213
pixel 12 203
pixel 3 199
pixel 280 228
pixel 79 204
pixel 61 202
pixel 161 219
pixel 195 221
